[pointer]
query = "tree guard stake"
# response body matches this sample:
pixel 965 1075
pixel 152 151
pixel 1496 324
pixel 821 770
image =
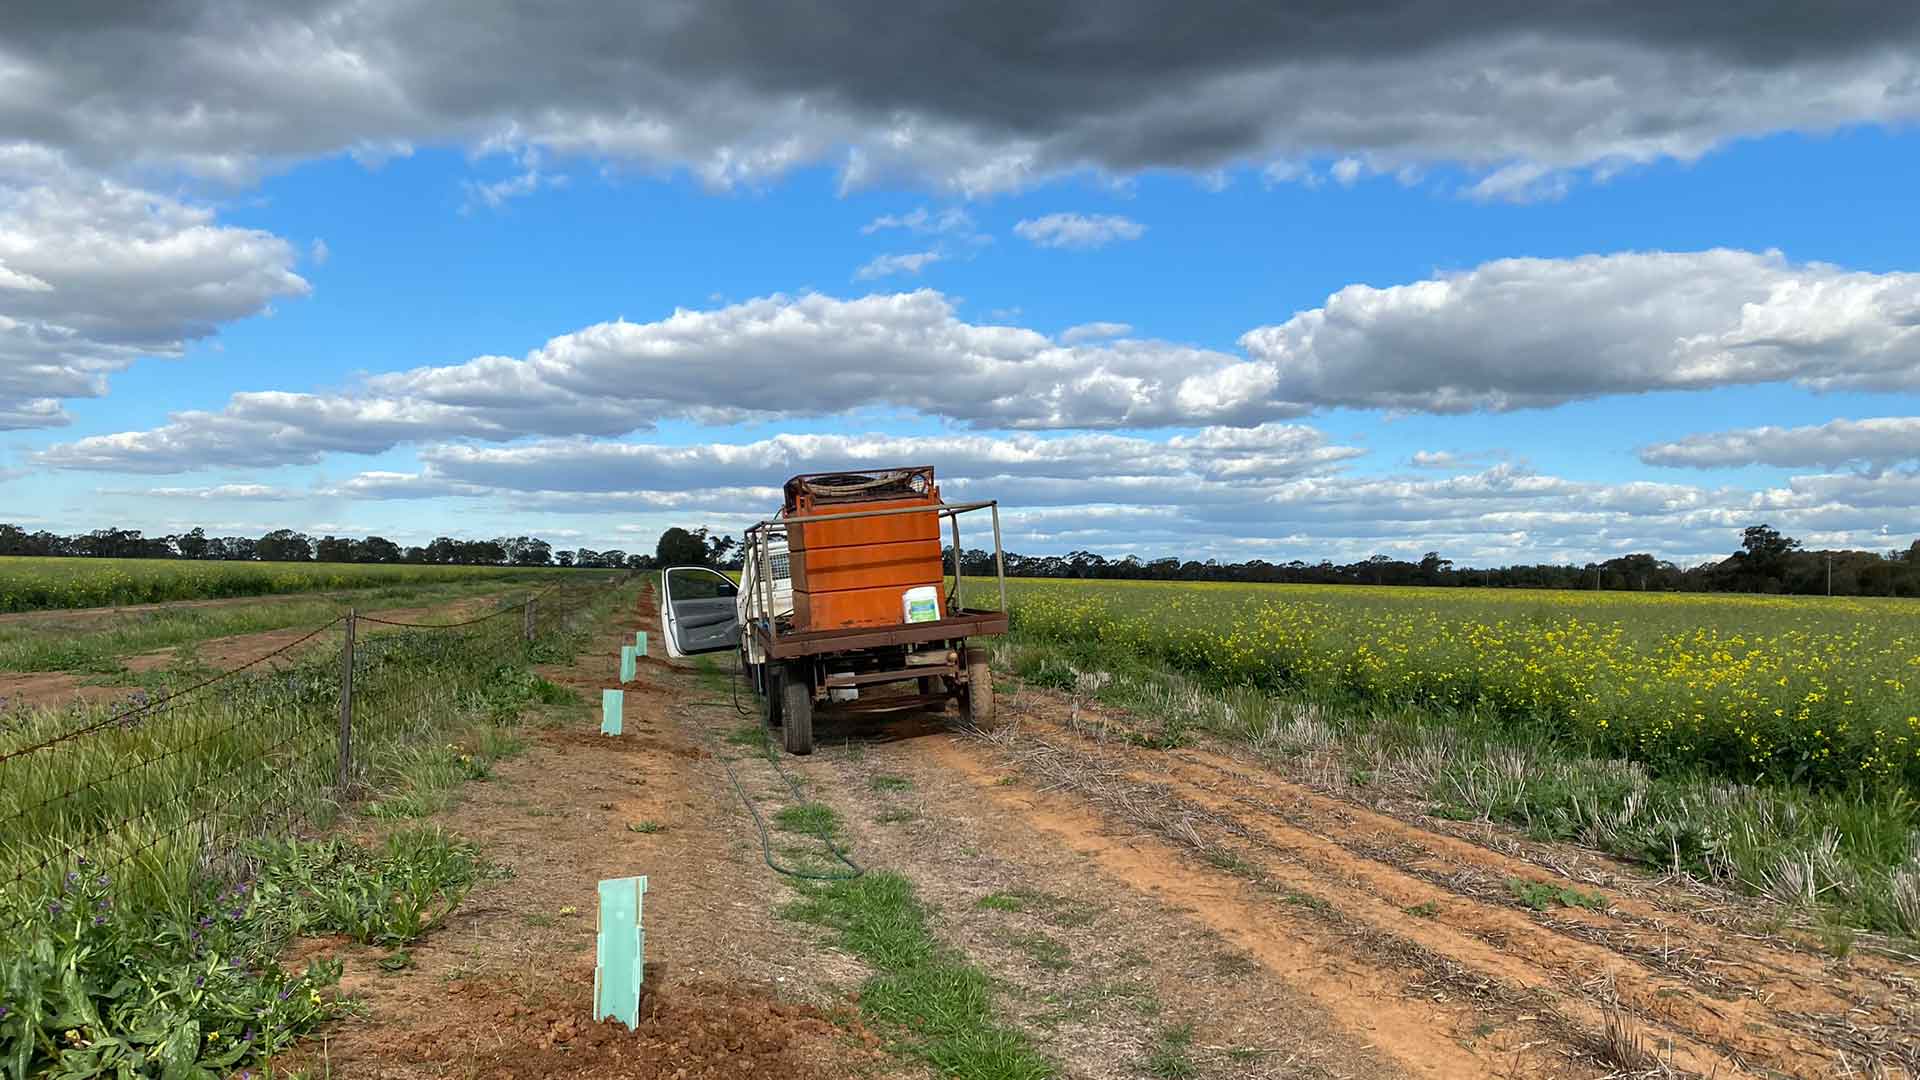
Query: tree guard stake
pixel 613 706
pixel 620 957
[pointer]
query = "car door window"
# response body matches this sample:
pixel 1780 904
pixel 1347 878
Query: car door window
pixel 701 603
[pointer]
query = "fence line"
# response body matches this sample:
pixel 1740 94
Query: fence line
pixel 244 744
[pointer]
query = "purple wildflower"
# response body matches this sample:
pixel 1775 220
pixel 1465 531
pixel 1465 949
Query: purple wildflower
pixel 199 982
pixel 54 908
pixel 99 920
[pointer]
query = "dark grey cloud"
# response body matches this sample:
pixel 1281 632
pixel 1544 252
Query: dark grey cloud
pixel 969 96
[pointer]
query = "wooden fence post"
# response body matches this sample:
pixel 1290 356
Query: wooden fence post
pixel 345 775
pixel 527 621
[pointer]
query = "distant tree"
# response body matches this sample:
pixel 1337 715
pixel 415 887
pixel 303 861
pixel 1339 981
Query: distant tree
pixel 376 549
pixel 1765 546
pixel 333 549
pixel 679 547
pixel 192 545
pixel 564 558
pixel 529 551
pixel 283 545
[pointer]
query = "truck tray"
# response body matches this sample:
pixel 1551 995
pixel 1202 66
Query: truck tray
pixel 814 642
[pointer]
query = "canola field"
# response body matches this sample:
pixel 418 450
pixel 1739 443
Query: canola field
pixel 1808 690
pixel 34 583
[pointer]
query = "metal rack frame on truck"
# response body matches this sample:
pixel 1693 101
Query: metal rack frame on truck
pixel 861 606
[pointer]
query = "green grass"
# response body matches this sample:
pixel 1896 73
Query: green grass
pixel 1042 950
pixel 884 783
pixel 646 828
pixel 940 1003
pixel 34 583
pixel 1052 909
pixel 1170 1056
pixel 814 819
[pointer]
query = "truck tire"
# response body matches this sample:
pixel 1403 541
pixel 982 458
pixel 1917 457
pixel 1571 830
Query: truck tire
pixel 796 707
pixel 979 691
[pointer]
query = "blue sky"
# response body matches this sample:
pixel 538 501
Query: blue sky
pixel 1403 313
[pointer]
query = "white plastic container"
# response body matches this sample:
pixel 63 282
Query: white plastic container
pixel 921 604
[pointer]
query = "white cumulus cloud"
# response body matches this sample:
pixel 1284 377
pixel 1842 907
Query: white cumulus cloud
pixel 1078 230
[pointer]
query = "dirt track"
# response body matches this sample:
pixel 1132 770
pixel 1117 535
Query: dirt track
pixel 1135 891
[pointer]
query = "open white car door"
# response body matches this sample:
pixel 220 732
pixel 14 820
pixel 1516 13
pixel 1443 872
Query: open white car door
pixel 697 612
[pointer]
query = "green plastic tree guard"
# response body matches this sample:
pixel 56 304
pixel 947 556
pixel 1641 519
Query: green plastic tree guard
pixel 640 642
pixel 613 707
pixel 621 955
pixel 628 664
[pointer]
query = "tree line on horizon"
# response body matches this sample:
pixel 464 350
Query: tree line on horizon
pixel 1767 561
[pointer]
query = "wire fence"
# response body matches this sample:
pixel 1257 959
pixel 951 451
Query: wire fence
pixel 165 792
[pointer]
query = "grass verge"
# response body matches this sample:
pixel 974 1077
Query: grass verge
pixel 940 1003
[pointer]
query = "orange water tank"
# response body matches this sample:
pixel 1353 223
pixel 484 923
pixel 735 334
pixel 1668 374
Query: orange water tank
pixel 854 572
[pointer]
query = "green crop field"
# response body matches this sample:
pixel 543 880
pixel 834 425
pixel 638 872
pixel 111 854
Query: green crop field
pixel 32 583
pixel 1825 691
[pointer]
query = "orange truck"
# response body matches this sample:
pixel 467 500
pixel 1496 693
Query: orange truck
pixel 844 602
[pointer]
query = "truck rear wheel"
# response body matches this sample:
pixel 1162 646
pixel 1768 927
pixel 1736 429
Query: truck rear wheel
pixel 796 707
pixel 979 691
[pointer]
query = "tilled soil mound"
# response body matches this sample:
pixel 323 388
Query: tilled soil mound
pixel 690 1031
